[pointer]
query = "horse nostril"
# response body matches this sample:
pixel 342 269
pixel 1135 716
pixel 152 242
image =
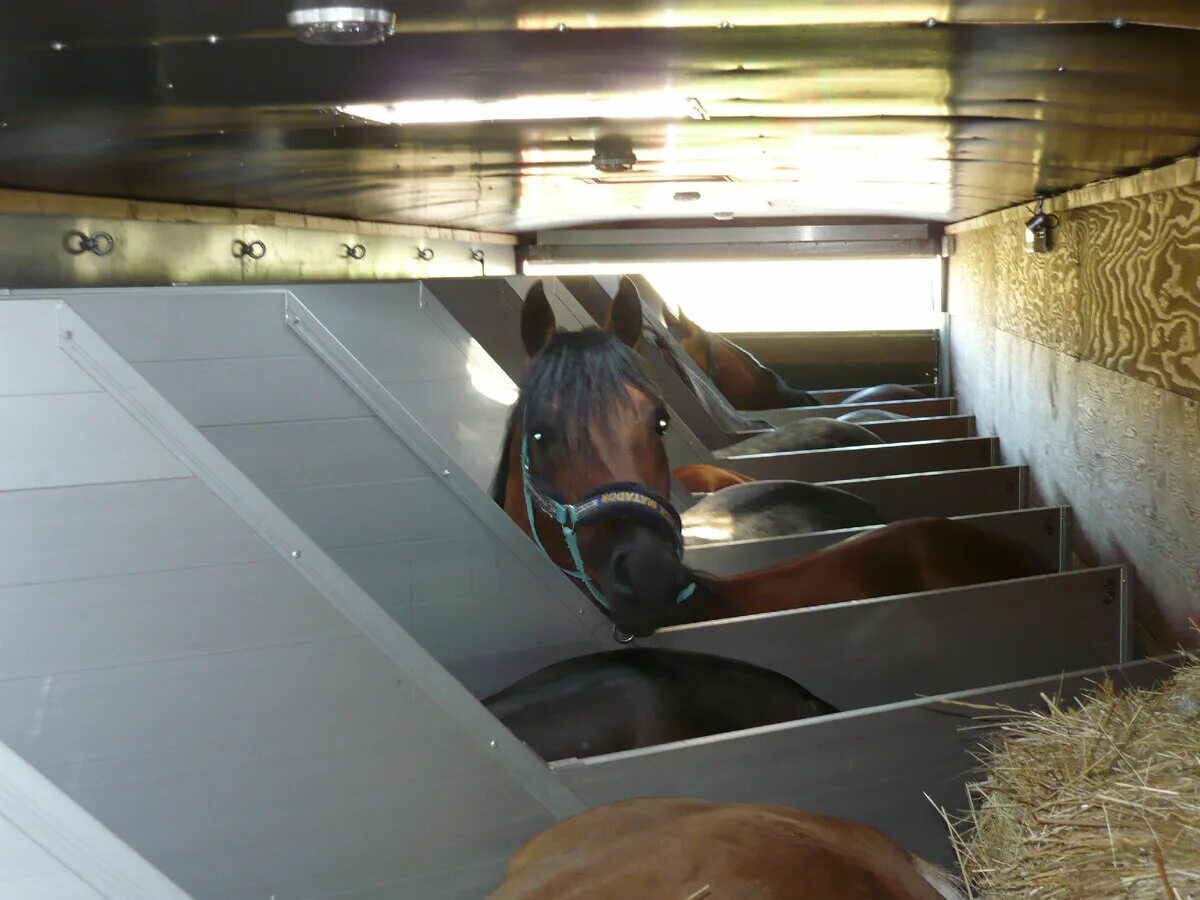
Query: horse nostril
pixel 622 576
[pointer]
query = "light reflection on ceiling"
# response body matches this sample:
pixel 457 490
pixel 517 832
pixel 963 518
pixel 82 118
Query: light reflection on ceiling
pixel 933 111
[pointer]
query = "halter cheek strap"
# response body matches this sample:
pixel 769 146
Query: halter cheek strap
pixel 624 499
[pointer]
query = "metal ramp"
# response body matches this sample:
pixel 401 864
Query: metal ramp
pixel 294 582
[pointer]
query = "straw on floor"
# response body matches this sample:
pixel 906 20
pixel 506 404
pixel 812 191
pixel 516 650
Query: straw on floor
pixel 1097 800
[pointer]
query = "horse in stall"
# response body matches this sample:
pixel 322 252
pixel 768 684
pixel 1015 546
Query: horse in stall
pixel 750 385
pixel 701 478
pixel 626 699
pixel 690 849
pixel 763 509
pixel 583 471
pixel 867 416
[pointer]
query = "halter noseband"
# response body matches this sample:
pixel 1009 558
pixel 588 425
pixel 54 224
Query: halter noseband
pixel 625 499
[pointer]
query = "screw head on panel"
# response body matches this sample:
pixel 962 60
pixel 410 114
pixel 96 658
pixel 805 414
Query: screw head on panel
pixel 296 554
pixel 493 743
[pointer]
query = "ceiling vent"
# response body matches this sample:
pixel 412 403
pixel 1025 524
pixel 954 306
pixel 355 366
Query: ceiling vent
pixel 321 22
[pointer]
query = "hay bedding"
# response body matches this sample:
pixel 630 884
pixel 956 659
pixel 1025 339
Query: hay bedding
pixel 1099 800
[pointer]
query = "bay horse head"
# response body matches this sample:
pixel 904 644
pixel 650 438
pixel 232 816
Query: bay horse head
pixel 584 470
pixel 745 382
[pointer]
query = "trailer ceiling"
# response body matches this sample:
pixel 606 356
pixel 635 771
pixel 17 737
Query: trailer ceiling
pixel 818 109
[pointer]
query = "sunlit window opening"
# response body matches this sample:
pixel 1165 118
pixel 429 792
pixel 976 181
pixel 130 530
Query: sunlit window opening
pixel 808 295
pixel 789 295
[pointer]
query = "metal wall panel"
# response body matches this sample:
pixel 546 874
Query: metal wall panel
pixel 956 493
pixel 51 849
pixel 866 462
pixel 59 534
pixel 28 870
pixel 166 324
pixel 924 429
pixel 118 620
pixel 892 649
pixel 353 482
pixel 25 366
pixel 350 515
pixel 307 785
pixel 58 439
pixel 1041 530
pixel 876 766
pixel 315 453
pixel 247 391
pixel 940 406
pixel 204 681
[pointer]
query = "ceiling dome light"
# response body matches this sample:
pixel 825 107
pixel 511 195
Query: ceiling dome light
pixel 614 153
pixel 320 22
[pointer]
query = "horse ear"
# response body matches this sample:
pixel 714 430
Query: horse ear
pixel 537 320
pixel 687 325
pixel 625 314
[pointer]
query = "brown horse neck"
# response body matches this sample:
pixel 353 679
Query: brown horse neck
pixel 901 558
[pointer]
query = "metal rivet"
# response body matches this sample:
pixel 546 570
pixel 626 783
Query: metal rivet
pixel 295 554
pixel 58 45
pixel 170 85
pixel 1062 68
pixel 562 26
pixel 67 335
pixel 445 473
pixel 1118 22
pixel 295 320
pixel 726 25
pixel 212 38
pixel 493 743
pixel 931 22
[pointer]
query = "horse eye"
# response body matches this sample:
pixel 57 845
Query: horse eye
pixel 662 425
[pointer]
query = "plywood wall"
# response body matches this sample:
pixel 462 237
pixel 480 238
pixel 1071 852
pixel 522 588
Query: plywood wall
pixel 1086 361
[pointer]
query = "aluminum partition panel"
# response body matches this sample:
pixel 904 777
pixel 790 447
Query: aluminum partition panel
pixel 891 649
pixel 226 699
pixel 50 847
pixel 886 767
pixel 866 462
pixel 961 492
pixel 1040 530
pixel 941 406
pixel 923 429
pixel 432 549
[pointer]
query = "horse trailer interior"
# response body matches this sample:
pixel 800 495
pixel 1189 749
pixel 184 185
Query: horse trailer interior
pixel 267 274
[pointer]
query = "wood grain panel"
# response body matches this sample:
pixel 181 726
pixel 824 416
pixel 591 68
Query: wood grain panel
pixel 1086 361
pixel 1140 287
pixel 1121 288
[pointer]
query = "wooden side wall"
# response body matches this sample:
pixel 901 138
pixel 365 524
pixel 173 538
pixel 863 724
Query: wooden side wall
pixel 1086 361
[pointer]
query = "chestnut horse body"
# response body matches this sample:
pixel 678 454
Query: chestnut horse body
pixel 587 428
pixel 681 849
pixel 701 478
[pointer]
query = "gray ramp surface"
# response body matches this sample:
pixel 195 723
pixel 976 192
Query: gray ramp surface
pixel 193 672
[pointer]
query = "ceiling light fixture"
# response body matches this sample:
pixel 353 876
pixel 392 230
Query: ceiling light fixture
pixel 528 109
pixel 321 22
pixel 614 154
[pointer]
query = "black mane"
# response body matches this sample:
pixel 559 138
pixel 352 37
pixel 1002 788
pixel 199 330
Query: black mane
pixel 578 376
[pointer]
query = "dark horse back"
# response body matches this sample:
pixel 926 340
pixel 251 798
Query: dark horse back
pixel 774 508
pixel 626 699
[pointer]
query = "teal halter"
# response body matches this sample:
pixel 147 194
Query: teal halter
pixel 623 498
